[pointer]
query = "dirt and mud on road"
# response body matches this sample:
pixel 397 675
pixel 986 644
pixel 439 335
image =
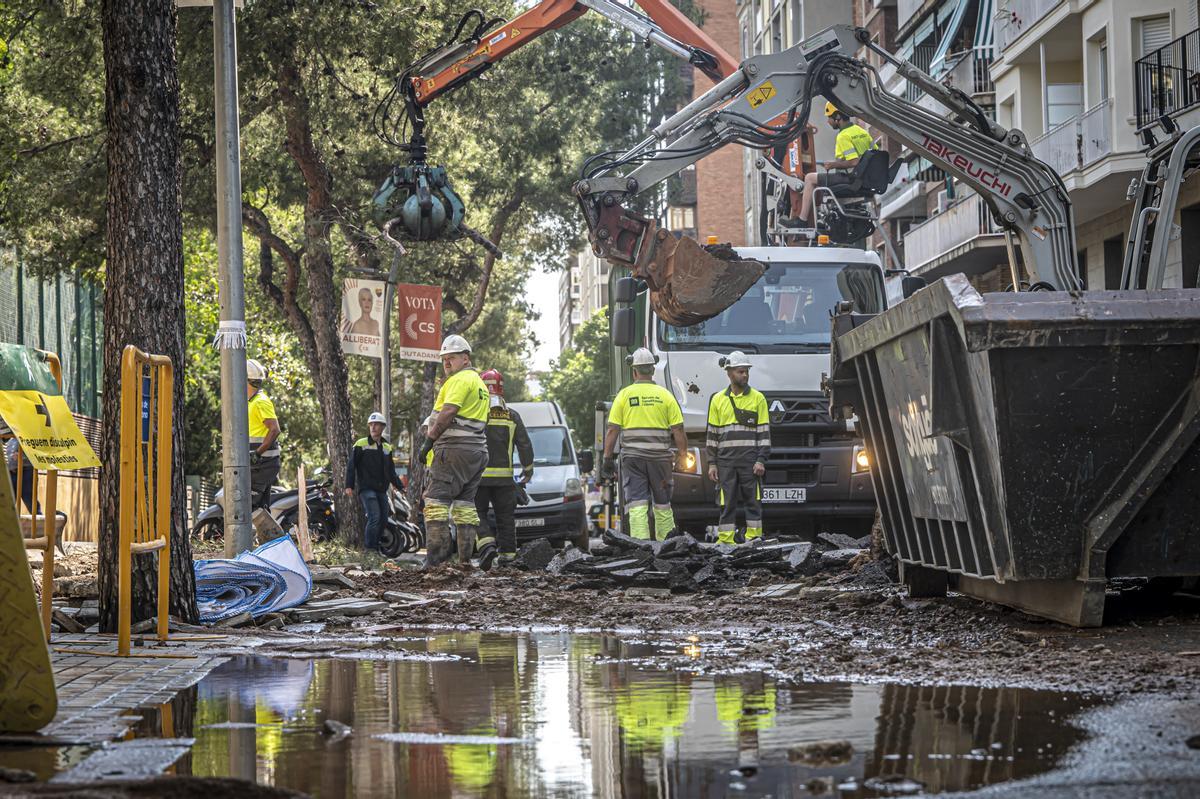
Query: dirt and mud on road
pixel 849 622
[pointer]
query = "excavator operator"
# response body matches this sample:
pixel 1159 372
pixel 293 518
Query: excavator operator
pixel 852 143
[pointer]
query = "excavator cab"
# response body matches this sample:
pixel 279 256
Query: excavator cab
pixel 844 212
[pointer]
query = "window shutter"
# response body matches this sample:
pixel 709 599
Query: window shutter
pixel 1156 33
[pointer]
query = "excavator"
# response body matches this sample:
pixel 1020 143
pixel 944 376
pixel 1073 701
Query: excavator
pixel 1027 447
pixel 420 194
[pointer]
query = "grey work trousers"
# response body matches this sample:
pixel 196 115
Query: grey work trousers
pixel 737 484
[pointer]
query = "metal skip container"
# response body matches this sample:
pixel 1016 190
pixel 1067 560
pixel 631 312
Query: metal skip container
pixel 1030 446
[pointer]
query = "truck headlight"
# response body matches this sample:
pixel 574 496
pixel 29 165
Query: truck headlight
pixel 691 461
pixel 861 461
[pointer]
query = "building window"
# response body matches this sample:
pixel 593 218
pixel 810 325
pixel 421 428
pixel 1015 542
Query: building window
pixel 1155 33
pixel 796 17
pixel 681 217
pixel 777 45
pixel 1064 101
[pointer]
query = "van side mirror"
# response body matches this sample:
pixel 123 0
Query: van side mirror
pixel 625 290
pixel 587 461
pixel 911 285
pixel 624 327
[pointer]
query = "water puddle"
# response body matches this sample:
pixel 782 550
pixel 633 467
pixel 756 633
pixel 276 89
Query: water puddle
pixel 559 714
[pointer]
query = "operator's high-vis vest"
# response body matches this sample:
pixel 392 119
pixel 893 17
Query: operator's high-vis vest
pixel 505 429
pixel 739 426
pixel 261 408
pixel 645 412
pixel 466 390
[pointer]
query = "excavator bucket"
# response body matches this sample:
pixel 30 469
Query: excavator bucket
pixel 690 283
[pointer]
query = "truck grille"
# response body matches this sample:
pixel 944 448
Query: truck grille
pixel 807 410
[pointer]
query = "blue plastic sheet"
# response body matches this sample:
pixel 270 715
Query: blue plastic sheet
pixel 271 577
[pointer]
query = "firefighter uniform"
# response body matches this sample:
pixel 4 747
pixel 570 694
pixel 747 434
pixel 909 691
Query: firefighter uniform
pixel 645 412
pixel 739 436
pixel 264 470
pixel 459 458
pixel 505 430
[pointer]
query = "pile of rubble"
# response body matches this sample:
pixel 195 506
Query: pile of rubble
pixel 682 564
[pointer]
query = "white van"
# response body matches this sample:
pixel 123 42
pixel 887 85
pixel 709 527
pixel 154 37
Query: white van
pixel 556 509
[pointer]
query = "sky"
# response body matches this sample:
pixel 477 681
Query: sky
pixel 543 295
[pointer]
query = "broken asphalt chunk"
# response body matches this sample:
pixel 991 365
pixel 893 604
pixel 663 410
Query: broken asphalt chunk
pixel 838 541
pixel 839 558
pixel 534 556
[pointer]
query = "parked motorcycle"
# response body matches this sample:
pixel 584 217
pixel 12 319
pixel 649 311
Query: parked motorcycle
pixel 399 535
pixel 284 507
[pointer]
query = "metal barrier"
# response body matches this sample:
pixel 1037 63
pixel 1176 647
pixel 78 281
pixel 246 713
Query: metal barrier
pixel 147 388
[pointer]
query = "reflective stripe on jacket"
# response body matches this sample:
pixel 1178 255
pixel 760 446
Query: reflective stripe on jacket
pixel 645 412
pixel 505 429
pixel 371 467
pixel 739 426
pixel 465 390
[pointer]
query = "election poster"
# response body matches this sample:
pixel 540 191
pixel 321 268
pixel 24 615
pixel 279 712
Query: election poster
pixel 362 317
pixel 419 309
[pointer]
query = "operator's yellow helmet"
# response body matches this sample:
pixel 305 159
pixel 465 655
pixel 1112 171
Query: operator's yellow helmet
pixel 830 109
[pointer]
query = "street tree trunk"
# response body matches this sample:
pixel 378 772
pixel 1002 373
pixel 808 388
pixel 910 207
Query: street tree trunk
pixel 143 290
pixel 317 327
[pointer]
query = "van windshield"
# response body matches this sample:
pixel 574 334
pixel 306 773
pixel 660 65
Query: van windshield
pixel 550 447
pixel 788 309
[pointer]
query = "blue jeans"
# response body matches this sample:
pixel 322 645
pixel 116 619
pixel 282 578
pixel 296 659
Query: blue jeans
pixel 375 504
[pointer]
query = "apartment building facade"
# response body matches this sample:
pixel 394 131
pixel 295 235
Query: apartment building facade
pixel 771 26
pixel 1080 78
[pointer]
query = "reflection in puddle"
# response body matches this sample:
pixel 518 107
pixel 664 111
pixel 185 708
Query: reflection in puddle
pixel 572 715
pixel 556 714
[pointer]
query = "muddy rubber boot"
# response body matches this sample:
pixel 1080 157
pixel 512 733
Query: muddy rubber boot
pixel 487 554
pixel 438 547
pixel 466 541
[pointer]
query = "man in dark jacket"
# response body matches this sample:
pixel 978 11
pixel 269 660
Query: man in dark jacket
pixel 505 430
pixel 371 471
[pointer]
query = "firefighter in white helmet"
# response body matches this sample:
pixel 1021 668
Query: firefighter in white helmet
pixel 264 436
pixel 455 434
pixel 648 420
pixel 738 445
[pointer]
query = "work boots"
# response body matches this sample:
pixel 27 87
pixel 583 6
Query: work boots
pixel 487 554
pixel 466 541
pixel 438 546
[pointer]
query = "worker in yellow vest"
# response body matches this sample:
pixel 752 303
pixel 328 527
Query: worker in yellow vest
pixel 647 419
pixel 456 437
pixel 264 436
pixel 738 445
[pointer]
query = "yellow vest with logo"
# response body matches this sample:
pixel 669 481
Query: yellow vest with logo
pixel 645 412
pixel 466 390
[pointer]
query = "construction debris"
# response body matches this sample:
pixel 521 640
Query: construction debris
pixel 682 564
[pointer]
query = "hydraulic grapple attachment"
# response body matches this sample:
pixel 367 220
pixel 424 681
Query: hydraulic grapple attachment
pixel 421 196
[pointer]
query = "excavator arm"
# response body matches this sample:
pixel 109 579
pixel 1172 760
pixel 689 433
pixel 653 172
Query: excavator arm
pixel 689 283
pixel 420 195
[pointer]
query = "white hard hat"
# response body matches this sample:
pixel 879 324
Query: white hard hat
pixel 454 344
pixel 376 418
pixel 255 370
pixel 735 360
pixel 641 357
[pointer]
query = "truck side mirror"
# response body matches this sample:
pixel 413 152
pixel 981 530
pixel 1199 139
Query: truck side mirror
pixel 625 290
pixel 587 461
pixel 624 327
pixel 911 285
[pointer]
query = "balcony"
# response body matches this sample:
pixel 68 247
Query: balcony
pixel 1167 81
pixel 1017 17
pixel 1079 142
pixel 962 238
pixel 970 72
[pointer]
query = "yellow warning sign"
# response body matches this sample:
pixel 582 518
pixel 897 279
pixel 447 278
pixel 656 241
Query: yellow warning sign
pixel 761 93
pixel 48 434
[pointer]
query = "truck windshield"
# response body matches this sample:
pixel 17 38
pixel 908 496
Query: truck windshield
pixel 550 447
pixel 788 309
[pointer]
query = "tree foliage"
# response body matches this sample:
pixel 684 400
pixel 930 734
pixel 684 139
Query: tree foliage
pixel 580 376
pixel 311 75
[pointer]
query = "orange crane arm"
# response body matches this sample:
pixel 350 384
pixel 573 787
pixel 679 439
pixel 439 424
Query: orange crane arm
pixel 455 64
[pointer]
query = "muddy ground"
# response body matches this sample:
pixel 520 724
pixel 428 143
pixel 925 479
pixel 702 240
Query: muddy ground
pixel 834 628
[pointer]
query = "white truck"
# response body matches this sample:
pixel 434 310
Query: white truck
pixel 817 479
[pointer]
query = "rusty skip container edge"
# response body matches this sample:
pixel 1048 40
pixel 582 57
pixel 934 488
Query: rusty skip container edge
pixel 1034 444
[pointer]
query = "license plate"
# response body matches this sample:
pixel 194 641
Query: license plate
pixel 784 494
pixel 538 522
